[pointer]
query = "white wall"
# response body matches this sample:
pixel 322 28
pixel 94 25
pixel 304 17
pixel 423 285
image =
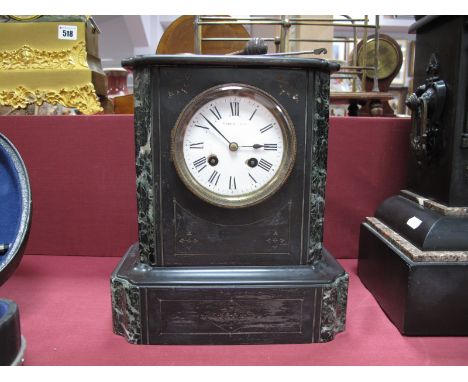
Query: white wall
pixel 126 36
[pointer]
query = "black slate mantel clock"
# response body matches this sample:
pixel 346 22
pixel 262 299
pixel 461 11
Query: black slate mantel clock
pixel 231 158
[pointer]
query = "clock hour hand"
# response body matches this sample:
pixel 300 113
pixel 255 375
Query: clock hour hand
pixel 214 127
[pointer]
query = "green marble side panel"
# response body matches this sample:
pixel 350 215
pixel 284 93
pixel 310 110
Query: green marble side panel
pixel 144 164
pixel 319 165
pixel 333 314
pixel 126 310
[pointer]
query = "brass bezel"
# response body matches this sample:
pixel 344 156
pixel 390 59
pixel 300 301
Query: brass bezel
pixel 389 67
pixel 269 188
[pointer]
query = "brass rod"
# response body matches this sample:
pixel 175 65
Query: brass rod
pixel 280 23
pixel 331 20
pixel 235 22
pixel 235 38
pixel 364 62
pixel 219 18
pixel 299 52
pixel 331 24
pixel 198 35
pixel 284 37
pixel 350 72
pixel 311 40
pixel 354 54
pixel 376 57
pixel 357 67
pixel 268 39
pixel 336 25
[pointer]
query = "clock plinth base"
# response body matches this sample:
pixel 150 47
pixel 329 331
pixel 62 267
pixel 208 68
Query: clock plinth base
pixel 228 305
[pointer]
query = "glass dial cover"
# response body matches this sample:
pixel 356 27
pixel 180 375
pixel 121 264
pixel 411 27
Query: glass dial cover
pixel 233 145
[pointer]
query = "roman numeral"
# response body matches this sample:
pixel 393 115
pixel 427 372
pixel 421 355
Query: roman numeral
pixel 265 165
pixel 203 127
pixel 198 145
pixel 270 146
pixel 200 163
pixel 232 182
pixel 235 109
pixel 266 128
pixel 216 113
pixel 252 177
pixel 253 114
pixel 214 176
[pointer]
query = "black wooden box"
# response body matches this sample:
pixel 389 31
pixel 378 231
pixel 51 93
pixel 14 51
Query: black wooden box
pixel 421 298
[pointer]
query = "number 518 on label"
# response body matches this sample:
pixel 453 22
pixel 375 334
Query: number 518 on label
pixel 67 32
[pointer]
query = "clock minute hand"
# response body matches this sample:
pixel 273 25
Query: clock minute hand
pixel 214 127
pixel 255 146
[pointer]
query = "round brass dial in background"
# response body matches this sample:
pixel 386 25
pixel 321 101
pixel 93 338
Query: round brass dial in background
pixel 389 59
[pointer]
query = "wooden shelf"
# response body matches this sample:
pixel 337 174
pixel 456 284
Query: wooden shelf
pixel 374 104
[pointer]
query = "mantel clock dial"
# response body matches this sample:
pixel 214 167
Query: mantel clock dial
pixel 233 145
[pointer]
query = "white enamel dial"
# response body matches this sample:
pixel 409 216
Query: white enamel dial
pixel 236 144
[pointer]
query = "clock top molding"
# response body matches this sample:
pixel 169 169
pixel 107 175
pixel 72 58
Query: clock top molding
pixel 230 60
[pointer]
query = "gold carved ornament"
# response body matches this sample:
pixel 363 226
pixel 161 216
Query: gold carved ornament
pixel 27 58
pixel 82 97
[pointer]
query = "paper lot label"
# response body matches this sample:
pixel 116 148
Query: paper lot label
pixel 67 32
